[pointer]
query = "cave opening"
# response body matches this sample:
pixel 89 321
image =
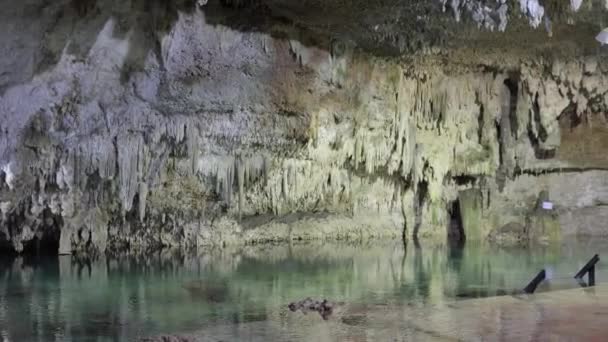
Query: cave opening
pixel 455 229
pixel 46 241
pixel 45 245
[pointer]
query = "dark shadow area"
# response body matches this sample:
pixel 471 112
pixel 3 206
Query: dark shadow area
pixel 2 174
pixel 464 179
pixel 455 256
pixel 541 136
pixel 422 275
pixel 45 241
pixel 45 246
pixel 44 266
pixel 512 83
pixel 507 127
pixel 455 229
pixel 569 118
pixel 421 196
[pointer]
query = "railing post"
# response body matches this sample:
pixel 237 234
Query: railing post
pixel 589 269
pixel 531 287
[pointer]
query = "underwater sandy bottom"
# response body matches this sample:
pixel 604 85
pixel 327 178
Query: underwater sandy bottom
pixel 563 315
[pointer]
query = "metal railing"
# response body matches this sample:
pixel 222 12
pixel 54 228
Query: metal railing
pixel 531 287
pixel 588 269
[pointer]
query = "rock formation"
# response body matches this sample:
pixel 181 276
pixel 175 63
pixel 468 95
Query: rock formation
pixel 135 125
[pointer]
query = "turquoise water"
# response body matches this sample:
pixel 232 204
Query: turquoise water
pixel 242 294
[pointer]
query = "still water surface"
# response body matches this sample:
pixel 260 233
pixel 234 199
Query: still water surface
pixel 242 294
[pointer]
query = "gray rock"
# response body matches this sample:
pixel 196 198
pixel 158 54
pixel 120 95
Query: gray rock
pixel 132 126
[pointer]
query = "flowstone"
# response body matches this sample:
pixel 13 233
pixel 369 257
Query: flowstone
pixel 180 126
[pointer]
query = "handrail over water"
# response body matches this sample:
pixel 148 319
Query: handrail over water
pixel 531 287
pixel 588 269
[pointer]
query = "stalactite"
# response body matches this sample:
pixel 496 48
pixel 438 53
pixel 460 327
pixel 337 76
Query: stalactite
pixel 192 137
pixel 226 170
pixel 240 169
pixel 131 160
pixel 143 195
pixel 285 184
pixel 376 128
pixel 228 183
pixel 266 168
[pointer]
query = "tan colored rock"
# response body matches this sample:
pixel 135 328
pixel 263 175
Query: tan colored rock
pixel 196 134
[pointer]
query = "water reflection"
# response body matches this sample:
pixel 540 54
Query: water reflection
pixel 122 299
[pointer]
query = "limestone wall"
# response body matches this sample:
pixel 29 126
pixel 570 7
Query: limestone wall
pixel 199 134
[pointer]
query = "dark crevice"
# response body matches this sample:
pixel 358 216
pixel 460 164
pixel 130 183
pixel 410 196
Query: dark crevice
pixel 289 113
pixel 46 238
pixel 512 84
pixel 422 194
pixel 83 7
pixel 2 179
pixel 558 170
pixel 45 246
pixel 464 179
pixel 489 198
pixel 133 214
pixel 500 144
pixel 545 154
pixel 569 118
pixel 507 127
pixel 542 133
pixel 380 172
pixel 541 136
pixel 480 124
pixel 455 229
pixel 404 233
pixel 439 118
pixel 480 119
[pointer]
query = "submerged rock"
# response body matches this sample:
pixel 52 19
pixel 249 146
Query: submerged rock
pixel 354 320
pixel 325 308
pixel 210 291
pixel 169 338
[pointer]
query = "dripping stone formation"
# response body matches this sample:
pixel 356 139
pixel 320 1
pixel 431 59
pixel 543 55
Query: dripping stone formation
pixel 181 124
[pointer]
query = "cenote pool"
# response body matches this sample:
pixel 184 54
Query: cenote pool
pixel 242 294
